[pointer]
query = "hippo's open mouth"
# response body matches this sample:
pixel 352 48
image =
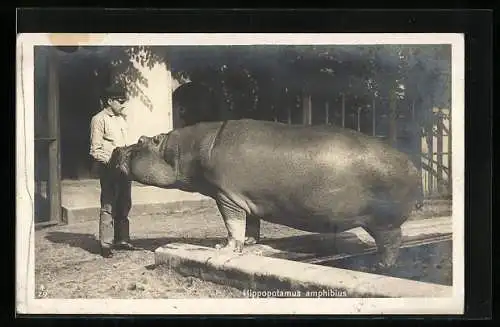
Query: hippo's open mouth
pixel 120 158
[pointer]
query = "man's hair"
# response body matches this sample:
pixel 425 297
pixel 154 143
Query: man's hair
pixel 113 91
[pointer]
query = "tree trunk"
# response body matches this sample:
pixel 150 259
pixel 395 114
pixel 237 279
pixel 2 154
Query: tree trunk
pixel 306 109
pixel 393 137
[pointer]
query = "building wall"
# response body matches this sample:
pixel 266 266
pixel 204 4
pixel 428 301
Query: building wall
pixel 80 89
pixel 156 118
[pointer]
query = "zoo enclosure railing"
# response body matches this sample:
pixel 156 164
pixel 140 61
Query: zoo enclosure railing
pixel 430 143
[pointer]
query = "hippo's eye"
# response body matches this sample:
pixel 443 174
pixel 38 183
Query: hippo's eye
pixel 141 140
pixel 156 139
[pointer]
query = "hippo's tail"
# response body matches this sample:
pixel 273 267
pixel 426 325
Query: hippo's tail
pixel 418 189
pixel 419 204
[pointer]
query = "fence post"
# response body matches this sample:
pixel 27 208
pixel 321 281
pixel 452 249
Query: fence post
pixel 417 147
pixel 359 119
pixel 430 152
pixel 439 151
pixel 327 112
pixel 450 179
pixel 343 110
pixel 373 118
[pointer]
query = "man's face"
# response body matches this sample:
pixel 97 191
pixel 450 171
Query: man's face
pixel 117 104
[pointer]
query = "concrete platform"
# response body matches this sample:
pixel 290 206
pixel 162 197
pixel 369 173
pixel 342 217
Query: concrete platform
pixel 274 266
pixel 80 200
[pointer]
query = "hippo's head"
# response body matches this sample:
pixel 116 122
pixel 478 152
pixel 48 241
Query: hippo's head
pixel 151 161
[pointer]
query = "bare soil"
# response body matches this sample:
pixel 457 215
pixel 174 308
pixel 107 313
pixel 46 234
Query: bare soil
pixel 68 265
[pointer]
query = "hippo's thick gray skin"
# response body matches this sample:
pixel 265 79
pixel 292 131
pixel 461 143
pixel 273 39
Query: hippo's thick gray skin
pixel 318 179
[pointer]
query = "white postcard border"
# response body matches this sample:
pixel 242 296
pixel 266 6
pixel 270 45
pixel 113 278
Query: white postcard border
pixel 25 300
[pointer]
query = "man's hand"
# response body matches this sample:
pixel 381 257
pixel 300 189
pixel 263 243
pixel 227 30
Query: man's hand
pixel 118 161
pixel 102 155
pixel 115 158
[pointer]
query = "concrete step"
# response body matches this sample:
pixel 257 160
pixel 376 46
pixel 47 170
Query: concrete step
pixel 80 200
pixel 72 215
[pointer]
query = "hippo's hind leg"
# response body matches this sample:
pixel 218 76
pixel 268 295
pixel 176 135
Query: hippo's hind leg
pixel 385 228
pixel 235 220
pixel 252 235
pixel 388 242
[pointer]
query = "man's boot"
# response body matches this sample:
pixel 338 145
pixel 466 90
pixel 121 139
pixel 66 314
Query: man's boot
pixel 122 234
pixel 106 227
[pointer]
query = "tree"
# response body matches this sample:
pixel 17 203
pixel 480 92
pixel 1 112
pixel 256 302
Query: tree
pixel 116 64
pixel 259 81
pixel 251 79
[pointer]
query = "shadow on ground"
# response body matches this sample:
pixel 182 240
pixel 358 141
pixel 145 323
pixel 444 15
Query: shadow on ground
pixel 315 244
pixel 430 263
pixel 86 242
pixel 89 243
pixel 312 244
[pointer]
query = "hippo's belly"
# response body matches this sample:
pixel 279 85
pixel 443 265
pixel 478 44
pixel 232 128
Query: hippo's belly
pixel 320 209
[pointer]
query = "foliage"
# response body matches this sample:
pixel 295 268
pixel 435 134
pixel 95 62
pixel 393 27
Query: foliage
pixel 251 78
pixel 117 64
pixel 259 81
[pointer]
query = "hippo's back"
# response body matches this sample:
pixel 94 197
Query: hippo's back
pixel 278 167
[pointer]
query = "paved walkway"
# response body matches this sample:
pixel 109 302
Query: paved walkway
pixel 85 193
pixel 80 199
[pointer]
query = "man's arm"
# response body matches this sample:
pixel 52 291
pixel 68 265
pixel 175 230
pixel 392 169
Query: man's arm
pixel 97 150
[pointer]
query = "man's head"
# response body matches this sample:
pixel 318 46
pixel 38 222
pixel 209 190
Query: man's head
pixel 115 97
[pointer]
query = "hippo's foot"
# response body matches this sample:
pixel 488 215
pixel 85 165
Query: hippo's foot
pixel 388 243
pixel 252 230
pixel 232 245
pixel 250 240
pixel 235 220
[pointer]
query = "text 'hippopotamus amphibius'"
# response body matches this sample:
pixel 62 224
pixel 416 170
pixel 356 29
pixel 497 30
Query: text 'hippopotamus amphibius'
pixel 322 179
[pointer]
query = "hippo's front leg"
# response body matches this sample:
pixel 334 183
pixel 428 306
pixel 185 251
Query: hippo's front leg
pixel 235 221
pixel 252 230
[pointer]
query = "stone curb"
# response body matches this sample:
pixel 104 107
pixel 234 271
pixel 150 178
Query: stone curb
pixel 253 272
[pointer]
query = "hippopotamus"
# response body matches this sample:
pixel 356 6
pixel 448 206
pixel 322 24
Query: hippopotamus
pixel 320 179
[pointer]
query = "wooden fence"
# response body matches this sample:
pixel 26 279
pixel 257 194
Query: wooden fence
pixel 436 155
pixel 430 145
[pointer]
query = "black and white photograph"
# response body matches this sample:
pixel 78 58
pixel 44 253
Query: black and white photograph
pixel 240 173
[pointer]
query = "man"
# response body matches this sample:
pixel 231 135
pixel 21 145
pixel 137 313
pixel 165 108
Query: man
pixel 108 130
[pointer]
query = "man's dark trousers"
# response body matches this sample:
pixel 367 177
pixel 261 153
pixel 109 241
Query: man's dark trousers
pixel 115 206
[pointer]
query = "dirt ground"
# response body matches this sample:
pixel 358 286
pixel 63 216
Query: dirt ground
pixel 67 263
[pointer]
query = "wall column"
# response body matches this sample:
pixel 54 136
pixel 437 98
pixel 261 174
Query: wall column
pixel 54 153
pixel 149 112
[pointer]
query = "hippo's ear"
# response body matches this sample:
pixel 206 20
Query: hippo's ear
pixel 158 138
